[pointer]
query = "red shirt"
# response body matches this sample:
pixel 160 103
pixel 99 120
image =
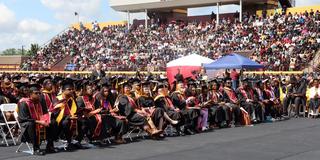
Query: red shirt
pixel 234 75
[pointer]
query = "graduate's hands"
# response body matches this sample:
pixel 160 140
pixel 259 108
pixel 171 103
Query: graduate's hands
pixel 43 123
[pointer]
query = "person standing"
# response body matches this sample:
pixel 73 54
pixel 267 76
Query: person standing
pixel 234 75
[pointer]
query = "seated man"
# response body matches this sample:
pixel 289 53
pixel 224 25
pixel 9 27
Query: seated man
pixel 30 116
pixel 64 112
pixel 250 102
pixel 296 93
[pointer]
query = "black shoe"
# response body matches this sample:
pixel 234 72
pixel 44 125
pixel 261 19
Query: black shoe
pixel 161 136
pixel 188 132
pixel 51 149
pixel 180 133
pixel 38 152
pixel 78 145
pixel 70 147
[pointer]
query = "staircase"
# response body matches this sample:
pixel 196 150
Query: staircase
pixel 61 64
pixel 314 65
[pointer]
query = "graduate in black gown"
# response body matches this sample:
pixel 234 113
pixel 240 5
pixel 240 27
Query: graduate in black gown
pixel 126 106
pixel 250 102
pixel 218 111
pixel 172 114
pixel 115 124
pixel 190 114
pixel 145 105
pixel 64 113
pixel 231 100
pixel 47 97
pixel 32 117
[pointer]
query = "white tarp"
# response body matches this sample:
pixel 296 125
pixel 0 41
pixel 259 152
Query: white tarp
pixel 190 60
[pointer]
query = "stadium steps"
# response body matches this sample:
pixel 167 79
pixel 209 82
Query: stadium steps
pixel 61 65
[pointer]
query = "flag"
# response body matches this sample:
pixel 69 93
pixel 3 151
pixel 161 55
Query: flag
pixel 76 13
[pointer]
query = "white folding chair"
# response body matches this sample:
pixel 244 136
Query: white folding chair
pixel 10 124
pixel 140 133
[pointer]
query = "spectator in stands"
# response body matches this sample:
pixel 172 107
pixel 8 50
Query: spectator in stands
pixel 271 40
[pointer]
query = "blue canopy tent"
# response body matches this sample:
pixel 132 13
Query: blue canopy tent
pixel 231 61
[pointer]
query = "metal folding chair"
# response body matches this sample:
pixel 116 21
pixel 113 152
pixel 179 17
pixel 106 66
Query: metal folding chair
pixel 140 133
pixel 9 124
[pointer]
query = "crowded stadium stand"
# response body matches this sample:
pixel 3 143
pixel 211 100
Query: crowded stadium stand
pixel 281 39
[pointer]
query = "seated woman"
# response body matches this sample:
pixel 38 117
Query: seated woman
pixel 117 125
pixel 127 106
pixel 218 111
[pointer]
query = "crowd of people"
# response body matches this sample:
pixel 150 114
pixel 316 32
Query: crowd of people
pixel 99 106
pixel 279 41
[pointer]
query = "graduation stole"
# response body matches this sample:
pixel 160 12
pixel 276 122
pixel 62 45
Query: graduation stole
pixel 35 110
pixel 48 100
pixel 231 94
pixel 180 95
pixel 64 108
pixel 269 93
pixel 244 93
pixel 89 105
pixel 132 103
pixel 214 96
pixel 36 113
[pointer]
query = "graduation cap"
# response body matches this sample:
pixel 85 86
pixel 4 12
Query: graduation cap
pixel 104 82
pixel 21 85
pixel 56 79
pixel 227 79
pixel 125 83
pixel 145 83
pixel 16 78
pixel 160 85
pixel 135 81
pixel 34 87
pixel 67 83
pixel 44 80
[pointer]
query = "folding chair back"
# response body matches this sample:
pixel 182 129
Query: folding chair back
pixel 10 124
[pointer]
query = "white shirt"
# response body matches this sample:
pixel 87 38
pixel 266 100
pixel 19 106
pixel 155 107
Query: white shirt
pixel 313 91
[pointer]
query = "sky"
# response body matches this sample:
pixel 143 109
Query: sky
pixel 23 22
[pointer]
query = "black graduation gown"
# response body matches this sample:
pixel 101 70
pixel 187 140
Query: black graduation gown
pixel 157 114
pixel 236 112
pixel 28 125
pixel 190 115
pixel 253 108
pixel 160 102
pixel 117 126
pixel 217 113
pixel 126 109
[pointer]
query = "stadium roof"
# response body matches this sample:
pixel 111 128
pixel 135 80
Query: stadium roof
pixel 139 5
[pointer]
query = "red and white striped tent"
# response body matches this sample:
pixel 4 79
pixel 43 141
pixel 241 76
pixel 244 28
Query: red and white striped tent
pixel 186 65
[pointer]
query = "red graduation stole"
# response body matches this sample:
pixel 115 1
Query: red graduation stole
pixel 36 113
pixel 89 105
pixel 231 95
pixel 49 103
pixel 244 93
pixel 169 102
pixel 214 96
pixel 132 103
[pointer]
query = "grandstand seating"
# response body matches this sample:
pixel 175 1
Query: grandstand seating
pixel 280 47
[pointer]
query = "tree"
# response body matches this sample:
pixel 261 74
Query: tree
pixel 33 49
pixel 12 51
